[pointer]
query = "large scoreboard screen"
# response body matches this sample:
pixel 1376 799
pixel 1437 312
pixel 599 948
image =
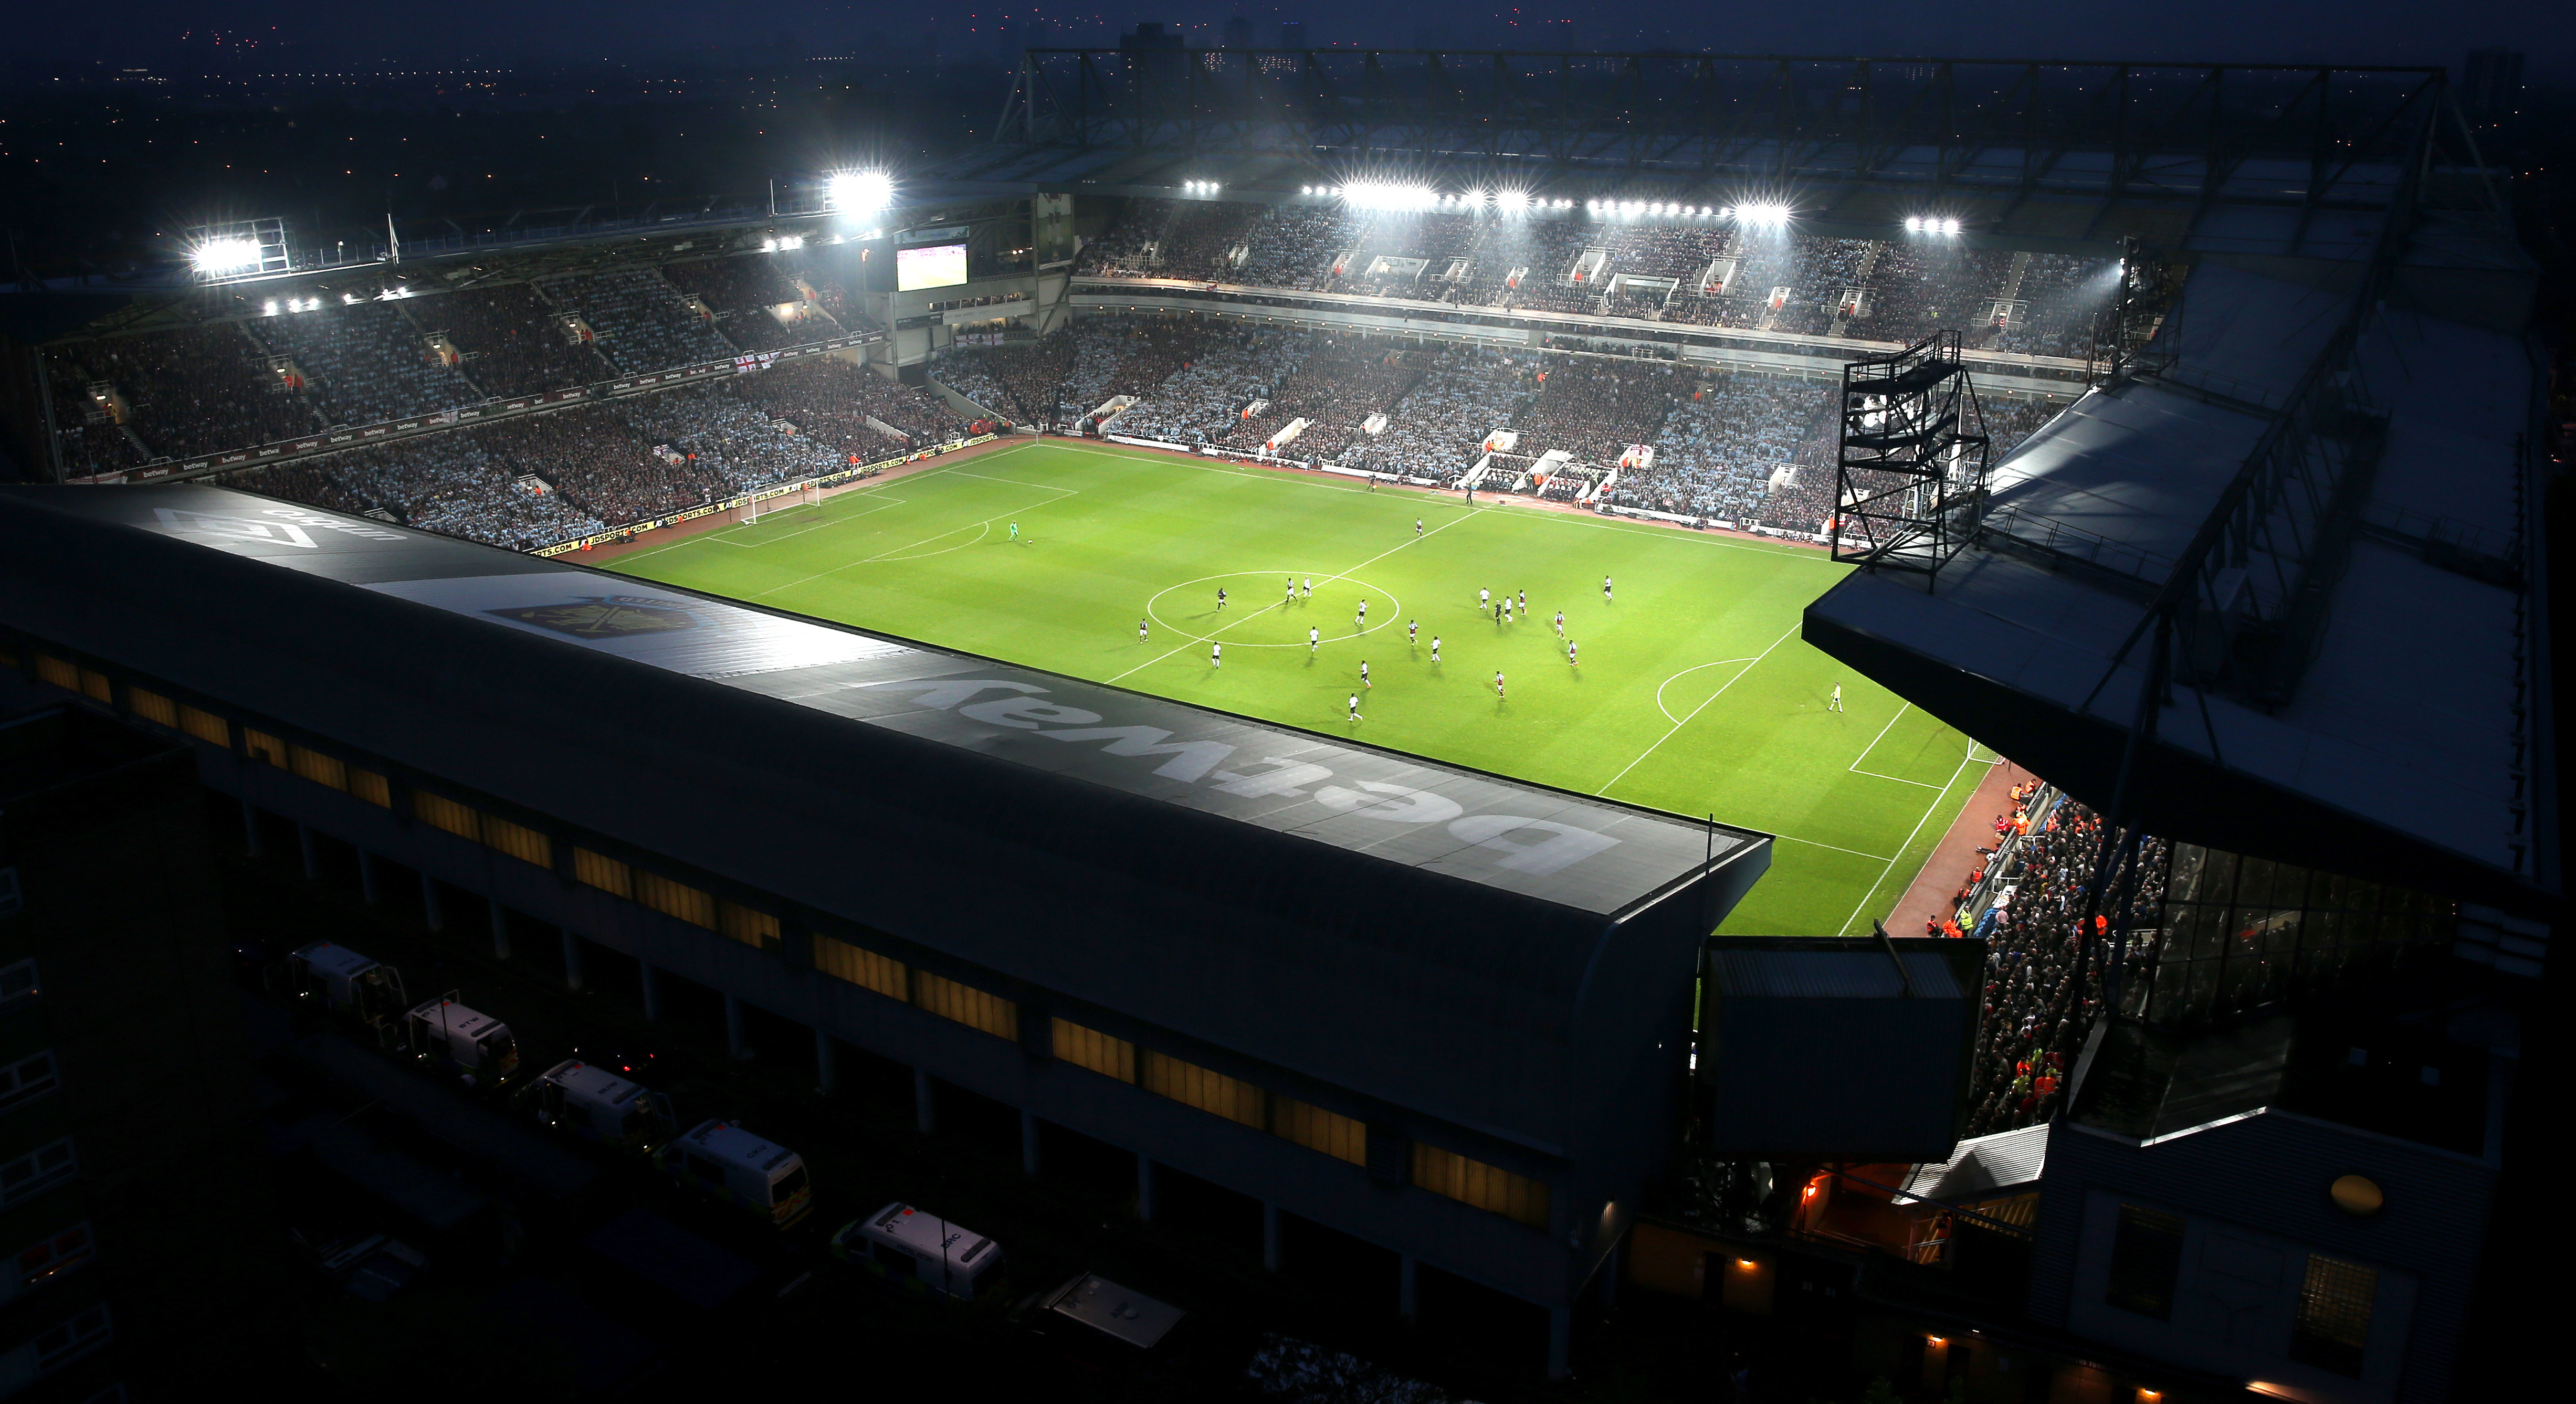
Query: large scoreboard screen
pixel 930 266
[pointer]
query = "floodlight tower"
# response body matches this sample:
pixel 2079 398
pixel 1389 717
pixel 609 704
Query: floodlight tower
pixel 1910 471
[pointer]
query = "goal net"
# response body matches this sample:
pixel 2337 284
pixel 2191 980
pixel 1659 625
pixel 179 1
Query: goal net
pixel 802 495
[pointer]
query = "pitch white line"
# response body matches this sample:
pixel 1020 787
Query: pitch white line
pixel 1855 769
pixel 1695 711
pixel 1838 848
pixel 1964 759
pixel 1686 672
pixel 1344 575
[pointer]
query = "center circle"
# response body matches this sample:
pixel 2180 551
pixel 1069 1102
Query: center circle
pixel 1248 599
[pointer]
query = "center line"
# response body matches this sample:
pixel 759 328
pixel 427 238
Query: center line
pixel 1345 575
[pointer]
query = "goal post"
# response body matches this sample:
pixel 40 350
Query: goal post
pixel 802 495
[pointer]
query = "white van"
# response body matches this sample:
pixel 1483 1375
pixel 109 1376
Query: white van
pixel 361 987
pixel 598 1105
pixel 722 1159
pixel 921 1253
pixel 457 1039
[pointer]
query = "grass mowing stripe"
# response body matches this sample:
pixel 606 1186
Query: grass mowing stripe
pixel 1119 528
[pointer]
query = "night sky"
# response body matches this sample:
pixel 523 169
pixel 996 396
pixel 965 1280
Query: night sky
pixel 2380 31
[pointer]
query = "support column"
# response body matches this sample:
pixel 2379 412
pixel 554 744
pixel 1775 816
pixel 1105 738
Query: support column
pixel 652 991
pixel 1269 1237
pixel 250 827
pixel 1560 1333
pixel 827 1063
pixel 500 931
pixel 433 912
pixel 1028 1143
pixel 733 1029
pixel 367 877
pixel 572 960
pixel 1144 1187
pixel 1408 1290
pixel 1610 1271
pixel 312 860
pixel 924 1112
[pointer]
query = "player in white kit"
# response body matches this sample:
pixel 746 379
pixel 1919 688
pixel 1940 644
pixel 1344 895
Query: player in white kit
pixel 1364 682
pixel 1216 655
pixel 1435 648
pixel 1314 638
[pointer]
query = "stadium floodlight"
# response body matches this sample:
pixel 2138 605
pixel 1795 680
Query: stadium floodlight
pixel 268 308
pixel 1763 213
pixel 1512 199
pixel 219 256
pixel 857 192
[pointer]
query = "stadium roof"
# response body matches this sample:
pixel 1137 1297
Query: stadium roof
pixel 1267 890
pixel 2238 158
pixel 2409 733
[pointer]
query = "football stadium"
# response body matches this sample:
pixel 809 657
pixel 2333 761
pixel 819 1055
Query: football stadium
pixel 1759 679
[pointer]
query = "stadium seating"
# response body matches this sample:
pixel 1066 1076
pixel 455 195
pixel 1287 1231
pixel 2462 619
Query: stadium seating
pixel 366 362
pixel 87 449
pixel 747 294
pixel 451 483
pixel 2039 1001
pixel 1718 447
pixel 198 390
pixel 1436 430
pixel 512 342
pixel 642 322
pixel 1911 286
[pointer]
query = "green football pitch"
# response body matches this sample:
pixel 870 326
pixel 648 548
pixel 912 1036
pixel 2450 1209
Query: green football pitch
pixel 1694 692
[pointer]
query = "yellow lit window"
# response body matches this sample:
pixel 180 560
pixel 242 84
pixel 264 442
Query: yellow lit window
pixel 1316 1129
pixel 518 840
pixel 264 747
pixel 603 872
pixel 438 811
pixel 371 787
pixel 974 1008
pixel 1090 1048
pixel 58 672
pixel 153 707
pixel 758 930
pixel 676 899
pixel 1484 1186
pixel 1205 1089
pixel 206 727
pixel 860 966
pixel 317 767
pixel 97 687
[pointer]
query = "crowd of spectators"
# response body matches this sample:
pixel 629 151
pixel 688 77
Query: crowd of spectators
pixel 642 322
pixel 1720 444
pixel 1336 387
pixel 1910 286
pixel 309 482
pixel 1024 384
pixel 2042 988
pixel 1594 408
pixel 450 483
pixel 366 362
pixel 196 390
pixel 86 448
pixel 512 343
pixel 1438 429
pixel 757 303
pixel 827 398
pixel 2062 296
pixel 1202 401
